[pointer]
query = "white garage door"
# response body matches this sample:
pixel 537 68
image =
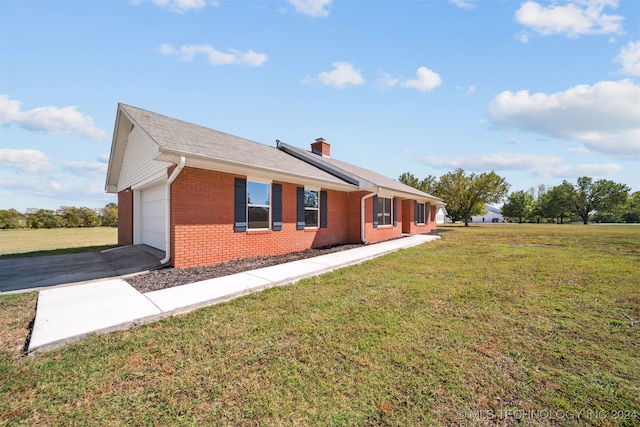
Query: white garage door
pixel 153 213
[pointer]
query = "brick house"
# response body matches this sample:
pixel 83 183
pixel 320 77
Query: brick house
pixel 205 197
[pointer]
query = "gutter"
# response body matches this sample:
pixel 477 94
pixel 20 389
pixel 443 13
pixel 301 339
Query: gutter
pixel 362 214
pixel 172 178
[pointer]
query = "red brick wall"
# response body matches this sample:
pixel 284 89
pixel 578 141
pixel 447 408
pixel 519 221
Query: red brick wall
pixel 408 224
pixel 381 232
pixel 202 218
pixel 125 218
pixel 202 222
pixel 433 210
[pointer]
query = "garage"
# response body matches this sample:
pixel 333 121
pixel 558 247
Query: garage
pixel 152 215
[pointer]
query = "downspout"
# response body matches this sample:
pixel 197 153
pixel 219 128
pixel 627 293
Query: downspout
pixel 362 214
pixel 172 178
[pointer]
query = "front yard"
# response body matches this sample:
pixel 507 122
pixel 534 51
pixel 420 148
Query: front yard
pixel 496 324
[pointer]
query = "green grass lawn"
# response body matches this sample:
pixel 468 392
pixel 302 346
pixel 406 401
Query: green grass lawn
pixel 28 242
pixel 491 325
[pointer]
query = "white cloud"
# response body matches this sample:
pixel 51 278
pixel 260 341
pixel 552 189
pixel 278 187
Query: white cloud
pixel 313 8
pixel 523 37
pixel 544 166
pixel 37 187
pixel 580 150
pixel 463 4
pixel 386 80
pixel 629 57
pixel 576 18
pixel 426 80
pixel 605 117
pixel 343 74
pixel 215 57
pixel 30 161
pixel 31 191
pixel 494 161
pixel 83 167
pixel 467 91
pixel 51 120
pixel 574 171
pixel 181 6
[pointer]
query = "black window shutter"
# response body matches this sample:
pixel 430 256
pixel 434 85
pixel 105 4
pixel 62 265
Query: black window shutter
pixel 416 213
pixel 240 205
pixel 300 210
pixel 395 212
pixel 375 211
pixel 276 202
pixel 323 209
pixel 426 213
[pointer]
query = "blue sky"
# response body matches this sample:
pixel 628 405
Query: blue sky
pixel 538 91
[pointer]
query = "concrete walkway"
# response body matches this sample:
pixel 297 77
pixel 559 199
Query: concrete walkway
pixel 71 313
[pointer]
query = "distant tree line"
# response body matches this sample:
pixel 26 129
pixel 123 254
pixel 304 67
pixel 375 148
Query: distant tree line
pixel 64 217
pixel 586 200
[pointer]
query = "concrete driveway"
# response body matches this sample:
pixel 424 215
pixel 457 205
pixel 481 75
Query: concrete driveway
pixel 32 273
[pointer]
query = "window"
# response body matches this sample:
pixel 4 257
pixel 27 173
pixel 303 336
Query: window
pixel 384 211
pixel 420 215
pixel 311 208
pixel 258 205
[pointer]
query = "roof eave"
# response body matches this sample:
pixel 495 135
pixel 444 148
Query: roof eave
pixel 116 154
pixel 199 161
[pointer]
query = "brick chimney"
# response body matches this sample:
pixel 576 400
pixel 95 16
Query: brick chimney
pixel 321 147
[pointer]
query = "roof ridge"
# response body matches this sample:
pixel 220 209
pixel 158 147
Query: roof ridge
pixel 164 116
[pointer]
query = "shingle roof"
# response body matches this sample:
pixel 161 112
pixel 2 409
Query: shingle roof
pixel 364 177
pixel 376 178
pixel 178 137
pixel 183 138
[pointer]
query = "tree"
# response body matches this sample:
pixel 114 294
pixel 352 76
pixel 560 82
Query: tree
pixel 43 218
pixel 71 216
pixel 88 217
pixel 537 194
pixel 631 210
pixel 519 205
pixel 11 218
pixel 427 184
pixel 467 195
pixel 558 202
pixel 600 196
pixel 109 215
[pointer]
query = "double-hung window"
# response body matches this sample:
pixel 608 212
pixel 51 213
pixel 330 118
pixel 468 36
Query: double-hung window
pixel 311 208
pixel 384 213
pixel 420 213
pixel 258 205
